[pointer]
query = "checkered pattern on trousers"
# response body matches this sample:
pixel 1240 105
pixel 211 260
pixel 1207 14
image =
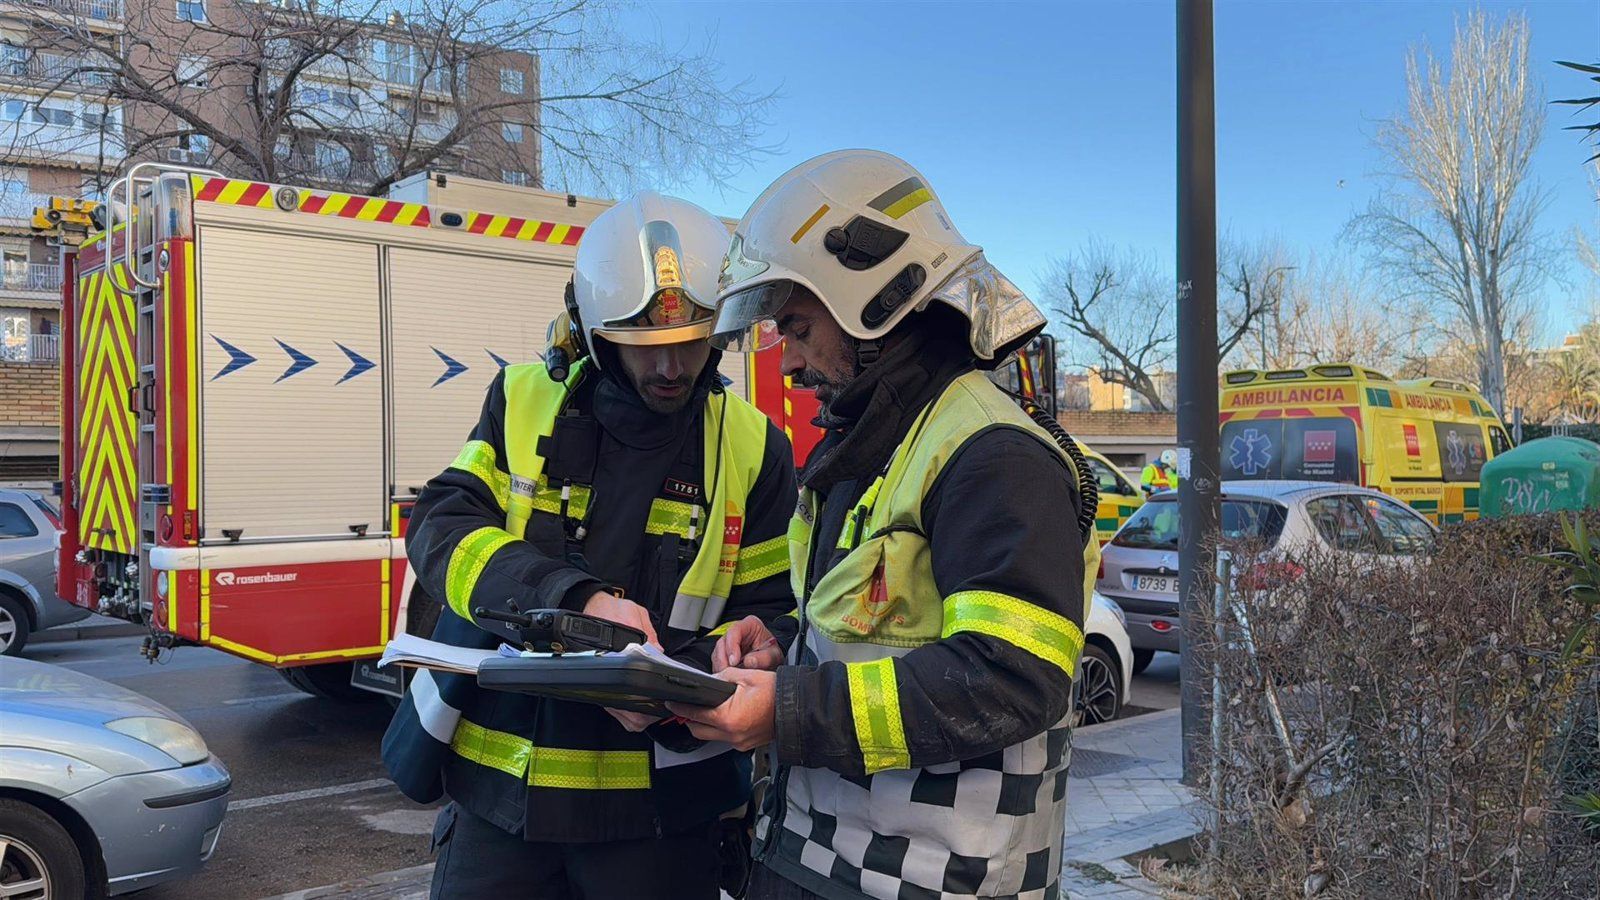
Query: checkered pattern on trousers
pixel 983 828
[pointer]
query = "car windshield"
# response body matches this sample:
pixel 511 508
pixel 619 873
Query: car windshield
pixel 1155 525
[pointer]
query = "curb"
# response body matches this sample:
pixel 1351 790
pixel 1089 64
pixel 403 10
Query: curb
pixel 86 632
pixel 401 884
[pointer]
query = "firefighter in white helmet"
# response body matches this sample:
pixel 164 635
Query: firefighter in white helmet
pixel 918 707
pixel 635 489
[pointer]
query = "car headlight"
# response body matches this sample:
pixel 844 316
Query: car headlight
pixel 1116 610
pixel 175 739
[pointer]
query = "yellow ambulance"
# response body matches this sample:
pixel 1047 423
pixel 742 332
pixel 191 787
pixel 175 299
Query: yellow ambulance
pixel 1119 496
pixel 1422 441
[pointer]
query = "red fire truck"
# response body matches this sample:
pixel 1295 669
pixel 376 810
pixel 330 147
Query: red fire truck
pixel 259 378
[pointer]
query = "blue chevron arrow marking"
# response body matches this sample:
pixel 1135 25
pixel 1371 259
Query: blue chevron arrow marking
pixel 239 360
pixel 452 367
pixel 298 362
pixel 358 363
pixel 497 360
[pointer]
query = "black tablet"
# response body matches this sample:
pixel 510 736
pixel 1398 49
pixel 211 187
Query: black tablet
pixel 620 682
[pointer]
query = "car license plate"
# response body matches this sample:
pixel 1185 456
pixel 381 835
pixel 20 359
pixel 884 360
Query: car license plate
pixel 1156 584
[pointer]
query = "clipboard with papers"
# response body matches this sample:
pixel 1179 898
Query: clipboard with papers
pixel 640 678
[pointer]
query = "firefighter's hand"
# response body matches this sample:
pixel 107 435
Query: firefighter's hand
pixel 608 606
pixel 746 720
pixel 631 720
pixel 746 645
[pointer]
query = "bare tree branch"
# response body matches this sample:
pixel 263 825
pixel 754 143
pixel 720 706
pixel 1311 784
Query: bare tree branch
pixel 1458 225
pixel 1121 308
pixel 362 93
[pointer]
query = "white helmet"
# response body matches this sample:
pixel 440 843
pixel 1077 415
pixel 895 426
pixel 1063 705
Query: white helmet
pixel 1169 458
pixel 864 232
pixel 646 272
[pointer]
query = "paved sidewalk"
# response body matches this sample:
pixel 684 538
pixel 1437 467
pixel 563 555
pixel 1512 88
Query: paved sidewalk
pixel 1123 798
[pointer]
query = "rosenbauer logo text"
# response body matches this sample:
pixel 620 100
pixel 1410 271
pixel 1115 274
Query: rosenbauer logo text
pixel 229 579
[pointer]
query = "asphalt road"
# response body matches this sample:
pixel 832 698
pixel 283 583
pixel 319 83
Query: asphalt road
pixel 310 805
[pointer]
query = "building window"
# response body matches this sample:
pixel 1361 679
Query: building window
pixel 520 179
pixel 54 115
pixel 191 10
pixel 512 132
pixel 382 159
pixel 510 81
pixel 13 331
pixel 97 118
pixel 327 96
pixel 333 160
pixel 14 110
pixel 192 71
pixel 198 145
pixel 13 59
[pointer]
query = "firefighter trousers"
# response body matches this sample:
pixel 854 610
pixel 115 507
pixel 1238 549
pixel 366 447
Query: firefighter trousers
pixel 477 859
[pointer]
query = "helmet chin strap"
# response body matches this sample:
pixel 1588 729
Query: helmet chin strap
pixel 866 353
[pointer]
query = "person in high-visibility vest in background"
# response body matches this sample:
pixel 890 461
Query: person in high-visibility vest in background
pixel 1161 475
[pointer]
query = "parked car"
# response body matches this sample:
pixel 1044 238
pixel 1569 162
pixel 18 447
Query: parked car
pixel 102 791
pixel 28 601
pixel 1105 673
pixel 1139 568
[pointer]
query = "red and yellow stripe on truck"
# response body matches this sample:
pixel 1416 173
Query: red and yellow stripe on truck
pixel 1422 441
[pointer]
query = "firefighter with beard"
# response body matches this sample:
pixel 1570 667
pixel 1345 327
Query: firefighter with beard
pixel 940 553
pixel 637 490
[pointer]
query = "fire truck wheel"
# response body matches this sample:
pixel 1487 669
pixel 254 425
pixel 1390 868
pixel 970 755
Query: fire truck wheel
pixel 331 681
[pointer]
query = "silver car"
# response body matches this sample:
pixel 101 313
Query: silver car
pixel 1139 567
pixel 102 791
pixel 28 601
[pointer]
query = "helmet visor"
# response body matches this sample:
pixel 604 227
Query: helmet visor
pixel 747 320
pixel 1002 316
pixel 670 316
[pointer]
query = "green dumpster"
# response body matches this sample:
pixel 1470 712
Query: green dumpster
pixel 1541 476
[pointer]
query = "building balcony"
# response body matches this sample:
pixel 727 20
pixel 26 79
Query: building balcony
pixel 18 205
pixel 31 278
pixel 50 71
pixel 40 349
pixel 90 12
pixel 30 142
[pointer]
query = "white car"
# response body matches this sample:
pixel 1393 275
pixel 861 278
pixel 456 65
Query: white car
pixel 1105 668
pixel 1139 568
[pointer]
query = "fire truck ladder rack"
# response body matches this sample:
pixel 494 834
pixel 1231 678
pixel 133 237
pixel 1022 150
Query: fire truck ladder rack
pixel 144 213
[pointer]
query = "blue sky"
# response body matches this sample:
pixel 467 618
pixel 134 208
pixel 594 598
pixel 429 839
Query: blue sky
pixel 1043 125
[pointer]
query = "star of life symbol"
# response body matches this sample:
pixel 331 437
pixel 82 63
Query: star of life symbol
pixel 1250 452
pixel 1458 453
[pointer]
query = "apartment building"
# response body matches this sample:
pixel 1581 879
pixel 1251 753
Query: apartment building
pixel 363 98
pixel 1108 395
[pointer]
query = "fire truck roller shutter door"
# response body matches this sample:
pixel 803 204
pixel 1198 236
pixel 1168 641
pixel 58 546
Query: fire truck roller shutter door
pixel 454 319
pixel 291 379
